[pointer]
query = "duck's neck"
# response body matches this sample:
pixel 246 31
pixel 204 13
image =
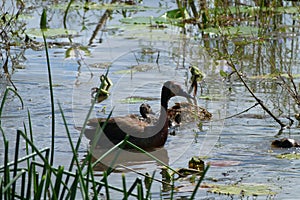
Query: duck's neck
pixel 163 117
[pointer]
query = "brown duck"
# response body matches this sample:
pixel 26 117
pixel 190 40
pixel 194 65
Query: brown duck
pixel 181 112
pixel 141 133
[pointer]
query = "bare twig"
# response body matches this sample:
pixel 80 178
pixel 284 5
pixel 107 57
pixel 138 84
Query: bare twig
pixel 259 101
pixel 293 92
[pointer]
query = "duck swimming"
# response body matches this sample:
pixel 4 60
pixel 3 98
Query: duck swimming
pixel 141 133
pixel 182 112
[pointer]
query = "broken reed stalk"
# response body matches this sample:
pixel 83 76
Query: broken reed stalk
pixel 260 102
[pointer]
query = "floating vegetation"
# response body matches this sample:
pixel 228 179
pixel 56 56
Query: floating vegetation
pixel 241 189
pixel 50 33
pixel 105 6
pixel 273 76
pixel 103 65
pixel 136 68
pixel 137 99
pixel 174 17
pixel 77 52
pixel 234 31
pixel 289 156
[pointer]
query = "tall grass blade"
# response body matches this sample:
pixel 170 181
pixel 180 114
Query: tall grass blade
pixel 6 170
pixel 23 185
pixel 106 185
pixel 133 186
pixel 140 189
pixel 30 177
pixel 8 186
pixel 91 173
pixel 149 186
pixel 15 169
pixel 199 182
pixel 73 189
pixel 58 182
pixel 43 26
pixel 125 196
pixel 84 189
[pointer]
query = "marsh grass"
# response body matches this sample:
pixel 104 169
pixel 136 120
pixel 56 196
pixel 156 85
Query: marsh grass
pixel 34 176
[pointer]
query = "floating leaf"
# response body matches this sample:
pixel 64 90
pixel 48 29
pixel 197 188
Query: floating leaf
pixel 242 189
pixel 136 68
pixel 274 75
pixel 289 156
pixel 234 30
pixel 77 52
pixel 144 20
pixel 137 99
pixel 58 33
pixel 170 17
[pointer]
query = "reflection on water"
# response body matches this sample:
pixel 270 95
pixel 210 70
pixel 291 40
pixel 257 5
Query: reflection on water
pixel 130 158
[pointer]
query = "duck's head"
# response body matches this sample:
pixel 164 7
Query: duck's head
pixel 171 89
pixel 145 109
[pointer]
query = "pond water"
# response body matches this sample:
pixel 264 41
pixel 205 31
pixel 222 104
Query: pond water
pixel 142 59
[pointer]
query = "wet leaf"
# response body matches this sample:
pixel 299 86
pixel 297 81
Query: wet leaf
pixel 144 20
pixel 137 99
pixel 289 156
pixel 170 17
pixel 58 33
pixel 77 52
pixel 274 75
pixel 234 31
pixel 242 189
pixel 223 74
pixel 136 68
pixel 104 6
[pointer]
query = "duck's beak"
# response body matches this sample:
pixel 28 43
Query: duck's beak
pixel 185 94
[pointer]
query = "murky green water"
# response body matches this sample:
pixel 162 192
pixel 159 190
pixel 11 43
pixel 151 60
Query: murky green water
pixel 239 148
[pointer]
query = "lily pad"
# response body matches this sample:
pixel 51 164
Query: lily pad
pixel 274 75
pixel 136 68
pixel 170 17
pixel 289 156
pixel 147 20
pixel 51 32
pixel 104 6
pixel 137 99
pixel 234 31
pixel 242 189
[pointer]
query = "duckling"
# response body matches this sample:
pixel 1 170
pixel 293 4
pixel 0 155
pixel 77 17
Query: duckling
pixel 285 143
pixel 185 112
